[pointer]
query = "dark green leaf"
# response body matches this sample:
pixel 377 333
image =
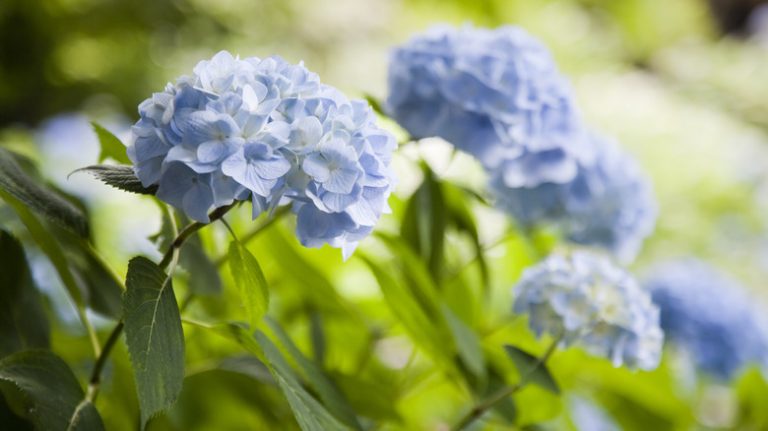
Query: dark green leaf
pixel 51 397
pixel 467 343
pixel 111 147
pixel 23 323
pixel 48 245
pixel 317 336
pixel 309 413
pixel 120 177
pixel 203 274
pixel 247 274
pixel 531 369
pixel 23 188
pixel 247 365
pixel 322 385
pixel 154 336
pixel 424 222
pixel 462 219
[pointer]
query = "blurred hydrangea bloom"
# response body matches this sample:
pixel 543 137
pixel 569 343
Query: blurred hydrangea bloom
pixel 267 131
pixel 587 416
pixel 492 93
pixel 709 316
pixel 583 297
pixel 609 203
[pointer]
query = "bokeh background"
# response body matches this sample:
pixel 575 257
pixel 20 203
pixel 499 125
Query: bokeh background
pixel 682 84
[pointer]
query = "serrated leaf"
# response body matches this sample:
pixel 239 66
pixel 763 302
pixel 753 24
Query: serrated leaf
pixel 322 385
pixel 23 323
pixel 424 222
pixel 48 245
pixel 120 177
pixel 250 280
pixel 52 399
pixel 467 344
pixel 154 336
pixel 111 146
pixel 20 186
pixel 309 413
pixel 532 369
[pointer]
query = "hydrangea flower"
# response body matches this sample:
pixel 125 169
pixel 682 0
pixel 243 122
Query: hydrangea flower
pixel 491 93
pixel 709 316
pixel 583 297
pixel 609 203
pixel 270 132
pixel 588 416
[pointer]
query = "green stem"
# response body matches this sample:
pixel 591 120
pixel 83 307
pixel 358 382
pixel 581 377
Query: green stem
pixel 188 231
pixel 481 408
pixel 280 212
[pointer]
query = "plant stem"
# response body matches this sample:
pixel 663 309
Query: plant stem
pixel 280 212
pixel 481 408
pixel 169 261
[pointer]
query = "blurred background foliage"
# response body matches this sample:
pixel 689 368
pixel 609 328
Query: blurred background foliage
pixel 682 84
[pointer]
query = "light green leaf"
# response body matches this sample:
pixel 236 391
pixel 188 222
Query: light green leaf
pixel 424 222
pixel 120 177
pixel 111 146
pixel 154 336
pixel 375 105
pixel 247 274
pixel 16 184
pixel 322 385
pixel 461 218
pixel 309 413
pixel 23 323
pixel 467 343
pixel 51 398
pixel 532 369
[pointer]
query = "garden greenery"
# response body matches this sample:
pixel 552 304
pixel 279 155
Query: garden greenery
pixel 270 134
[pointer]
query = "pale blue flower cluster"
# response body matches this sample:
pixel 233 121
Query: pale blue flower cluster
pixel 588 416
pixel 497 95
pixel 490 93
pixel 609 202
pixel 709 316
pixel 271 132
pixel 586 299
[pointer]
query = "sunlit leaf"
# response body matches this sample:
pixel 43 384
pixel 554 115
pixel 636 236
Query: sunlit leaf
pixel 120 177
pixel 322 385
pixel 111 147
pixel 467 344
pixel 532 369
pixel 51 397
pixel 154 336
pixel 15 183
pixel 247 274
pixel 23 323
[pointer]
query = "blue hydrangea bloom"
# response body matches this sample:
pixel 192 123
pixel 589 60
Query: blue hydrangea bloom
pixel 491 93
pixel 587 416
pixel 270 132
pixel 609 203
pixel 585 298
pixel 709 316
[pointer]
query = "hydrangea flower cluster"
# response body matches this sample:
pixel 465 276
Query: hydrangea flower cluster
pixel 609 203
pixel 709 316
pixel 271 132
pixel 583 297
pixel 497 95
pixel 490 93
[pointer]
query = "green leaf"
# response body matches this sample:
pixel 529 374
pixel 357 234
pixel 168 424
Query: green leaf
pixel 51 397
pixel 460 217
pixel 17 184
pixel 309 413
pixel 120 177
pixel 154 336
pixel 23 323
pixel 322 385
pixel 111 146
pixel 375 105
pixel 250 280
pixel 467 343
pixel 426 332
pixel 203 274
pixel 48 245
pixel 424 222
pixel 531 369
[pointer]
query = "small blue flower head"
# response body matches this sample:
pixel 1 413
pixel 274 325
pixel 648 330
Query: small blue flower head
pixel 491 93
pixel 709 316
pixel 270 132
pixel 588 416
pixel 608 203
pixel 585 298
